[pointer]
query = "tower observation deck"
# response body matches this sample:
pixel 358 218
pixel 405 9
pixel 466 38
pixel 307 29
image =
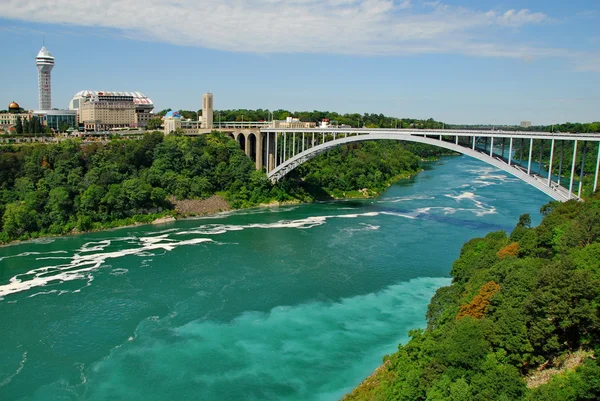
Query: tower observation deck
pixel 45 63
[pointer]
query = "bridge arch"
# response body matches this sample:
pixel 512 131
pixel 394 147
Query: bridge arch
pixel 241 140
pixel 554 191
pixel 252 143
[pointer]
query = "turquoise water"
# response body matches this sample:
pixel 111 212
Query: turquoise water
pixel 289 303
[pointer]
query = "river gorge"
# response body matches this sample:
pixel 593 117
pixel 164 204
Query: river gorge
pixel 288 303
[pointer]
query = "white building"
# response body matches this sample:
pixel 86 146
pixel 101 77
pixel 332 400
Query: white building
pixel 45 63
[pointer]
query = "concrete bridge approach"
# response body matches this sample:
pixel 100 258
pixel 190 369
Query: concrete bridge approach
pixel 280 151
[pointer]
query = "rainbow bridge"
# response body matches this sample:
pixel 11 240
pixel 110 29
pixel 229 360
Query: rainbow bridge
pixel 280 150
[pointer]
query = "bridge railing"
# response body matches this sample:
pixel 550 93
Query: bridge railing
pixel 242 124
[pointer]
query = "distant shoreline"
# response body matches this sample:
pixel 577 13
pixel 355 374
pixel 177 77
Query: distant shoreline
pixel 212 206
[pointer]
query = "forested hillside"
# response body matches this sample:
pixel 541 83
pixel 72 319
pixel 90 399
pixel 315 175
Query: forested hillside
pixel 67 187
pixel 520 321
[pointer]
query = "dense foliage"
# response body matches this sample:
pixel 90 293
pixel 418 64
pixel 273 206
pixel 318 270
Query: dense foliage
pixel 520 305
pixel 369 166
pixel 65 187
pixel 369 120
pixel 54 189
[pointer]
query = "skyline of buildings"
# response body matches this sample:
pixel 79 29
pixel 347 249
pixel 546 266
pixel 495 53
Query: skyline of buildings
pixel 537 62
pixel 100 110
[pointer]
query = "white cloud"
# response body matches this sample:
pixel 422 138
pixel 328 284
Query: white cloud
pixel 358 27
pixel 520 18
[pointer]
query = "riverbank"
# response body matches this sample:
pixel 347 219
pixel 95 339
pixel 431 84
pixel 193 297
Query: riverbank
pixel 189 208
pixel 518 321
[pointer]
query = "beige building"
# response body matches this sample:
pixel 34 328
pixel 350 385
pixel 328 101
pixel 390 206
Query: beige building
pixel 207 111
pixel 142 117
pixel 101 112
pixel 8 120
pixel 292 122
pixel 98 105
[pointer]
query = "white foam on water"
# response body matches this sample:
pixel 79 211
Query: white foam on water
pixel 53 257
pixel 82 264
pixel 169 230
pixel 370 227
pixel 43 293
pixel 308 222
pixel 464 195
pixel 481 208
pixel 19 369
pixel 23 254
pixel 94 246
pixel 411 216
pixel 363 227
pixel 405 198
pixel 119 272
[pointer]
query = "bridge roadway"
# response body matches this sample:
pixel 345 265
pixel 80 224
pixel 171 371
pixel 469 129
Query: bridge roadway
pixel 281 150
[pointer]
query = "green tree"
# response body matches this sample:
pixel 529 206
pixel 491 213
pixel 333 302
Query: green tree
pixel 26 126
pixel 63 126
pixel 154 124
pixel 39 128
pixel 19 126
pixel 18 220
pixel 59 205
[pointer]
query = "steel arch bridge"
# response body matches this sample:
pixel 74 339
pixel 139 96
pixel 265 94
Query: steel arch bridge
pixel 285 149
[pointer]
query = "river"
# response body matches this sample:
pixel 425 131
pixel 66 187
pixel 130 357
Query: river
pixel 288 303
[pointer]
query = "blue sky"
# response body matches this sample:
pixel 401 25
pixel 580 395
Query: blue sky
pixel 459 61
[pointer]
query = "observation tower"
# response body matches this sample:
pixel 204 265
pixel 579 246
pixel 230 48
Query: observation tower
pixel 45 63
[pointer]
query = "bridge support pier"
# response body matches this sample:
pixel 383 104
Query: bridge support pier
pixel 560 166
pixel 597 168
pixel 540 162
pixel 573 163
pixel 247 145
pixel 276 134
pixel 271 154
pixel 550 164
pixel 530 154
pixel 259 151
pixel 581 171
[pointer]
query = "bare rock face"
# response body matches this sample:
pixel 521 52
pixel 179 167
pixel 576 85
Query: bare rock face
pixel 196 207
